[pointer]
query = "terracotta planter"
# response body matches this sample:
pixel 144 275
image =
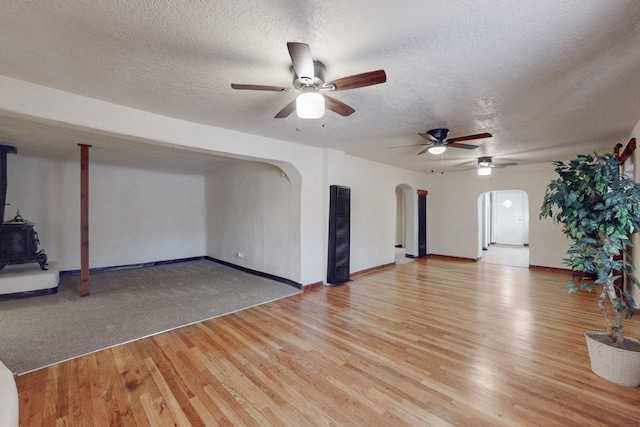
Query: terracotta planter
pixel 617 365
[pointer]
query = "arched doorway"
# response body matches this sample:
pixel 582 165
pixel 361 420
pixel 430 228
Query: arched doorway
pixel 406 244
pixel 503 228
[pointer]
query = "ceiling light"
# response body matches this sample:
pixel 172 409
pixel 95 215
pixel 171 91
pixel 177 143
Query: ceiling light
pixel 484 171
pixel 437 149
pixel 310 105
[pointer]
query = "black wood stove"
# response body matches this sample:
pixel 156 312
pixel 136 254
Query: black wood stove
pixel 19 243
pixel 18 239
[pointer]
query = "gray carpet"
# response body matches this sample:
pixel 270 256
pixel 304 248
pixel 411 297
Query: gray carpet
pixel 124 305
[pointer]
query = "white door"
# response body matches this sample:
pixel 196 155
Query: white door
pixel 508 224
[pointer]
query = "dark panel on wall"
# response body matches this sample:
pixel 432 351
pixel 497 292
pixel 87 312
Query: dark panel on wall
pixel 339 234
pixel 4 149
pixel 422 225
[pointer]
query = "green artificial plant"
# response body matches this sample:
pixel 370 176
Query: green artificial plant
pixel 599 208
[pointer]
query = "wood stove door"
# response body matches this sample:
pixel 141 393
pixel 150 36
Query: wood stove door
pixel 19 245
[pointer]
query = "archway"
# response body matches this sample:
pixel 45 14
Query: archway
pixel 406 242
pixel 503 228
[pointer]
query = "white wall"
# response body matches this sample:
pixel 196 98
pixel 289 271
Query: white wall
pixel 373 210
pixel 452 221
pixel 135 216
pixel 254 208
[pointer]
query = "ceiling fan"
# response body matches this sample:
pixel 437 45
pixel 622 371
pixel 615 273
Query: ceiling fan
pixel 485 164
pixel 308 78
pixel 438 141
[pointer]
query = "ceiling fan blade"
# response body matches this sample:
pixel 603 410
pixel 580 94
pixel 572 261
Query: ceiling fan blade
pixel 301 59
pixel 502 165
pixel 428 136
pixel 287 110
pixel 359 80
pixel 464 146
pixel 338 106
pixel 423 151
pixel 260 87
pixel 469 137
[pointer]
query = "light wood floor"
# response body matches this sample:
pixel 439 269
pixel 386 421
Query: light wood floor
pixel 429 343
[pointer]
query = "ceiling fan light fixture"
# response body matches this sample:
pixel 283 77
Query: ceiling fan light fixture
pixel 483 171
pixel 437 149
pixel 310 105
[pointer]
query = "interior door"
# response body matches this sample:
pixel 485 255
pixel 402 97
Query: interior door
pixel 509 217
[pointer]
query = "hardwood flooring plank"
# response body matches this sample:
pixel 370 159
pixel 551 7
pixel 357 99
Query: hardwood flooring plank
pixel 74 414
pixel 203 412
pixel 99 392
pixel 32 404
pixel 154 408
pixel 84 387
pixel 168 397
pixel 131 384
pixel 121 409
pixel 51 396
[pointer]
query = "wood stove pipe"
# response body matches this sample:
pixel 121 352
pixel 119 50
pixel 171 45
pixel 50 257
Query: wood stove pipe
pixel 4 149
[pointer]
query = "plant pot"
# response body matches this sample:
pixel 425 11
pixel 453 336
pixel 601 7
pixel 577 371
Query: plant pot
pixel 617 365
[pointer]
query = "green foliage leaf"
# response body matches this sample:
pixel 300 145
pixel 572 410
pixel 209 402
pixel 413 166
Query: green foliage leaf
pixel 588 287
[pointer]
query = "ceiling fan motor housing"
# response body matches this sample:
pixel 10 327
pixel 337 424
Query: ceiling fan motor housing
pixel 317 81
pixel 484 161
pixel 440 134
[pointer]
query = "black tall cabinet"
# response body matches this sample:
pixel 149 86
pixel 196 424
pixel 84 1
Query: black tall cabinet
pixel 422 224
pixel 339 234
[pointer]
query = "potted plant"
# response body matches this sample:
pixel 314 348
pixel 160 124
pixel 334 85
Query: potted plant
pixel 599 209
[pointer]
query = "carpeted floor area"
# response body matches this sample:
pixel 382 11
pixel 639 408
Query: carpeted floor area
pixel 124 305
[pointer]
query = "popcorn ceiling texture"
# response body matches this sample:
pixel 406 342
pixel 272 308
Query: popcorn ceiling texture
pixel 541 76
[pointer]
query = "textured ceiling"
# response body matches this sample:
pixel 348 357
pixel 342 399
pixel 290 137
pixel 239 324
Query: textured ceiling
pixel 548 78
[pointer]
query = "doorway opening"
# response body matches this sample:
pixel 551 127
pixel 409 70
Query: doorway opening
pixel 503 228
pixel 406 245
